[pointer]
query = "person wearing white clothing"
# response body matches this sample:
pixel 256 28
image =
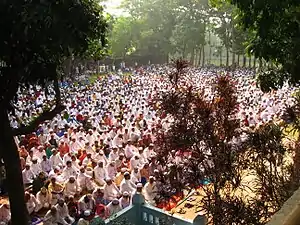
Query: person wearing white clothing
pixel 86 202
pixel 44 199
pixel 136 175
pixel 28 175
pixel 150 191
pixel 52 218
pixel 46 165
pixel 111 170
pixel 100 173
pixel 55 159
pixel 113 155
pixel 69 171
pixel 127 185
pixel 114 207
pixel 36 167
pixel 71 187
pixel 5 215
pixel 31 203
pixel 63 212
pixel 101 157
pixel 110 190
pixel 84 181
pixel 67 157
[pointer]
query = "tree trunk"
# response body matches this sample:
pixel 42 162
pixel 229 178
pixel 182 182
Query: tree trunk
pixel 244 61
pixel 221 57
pixel 200 55
pixel 9 152
pixel 233 58
pixel 210 48
pixel 250 58
pixel 254 63
pixel 238 60
pixel 193 57
pixel 260 63
pixel 203 55
pixel 227 56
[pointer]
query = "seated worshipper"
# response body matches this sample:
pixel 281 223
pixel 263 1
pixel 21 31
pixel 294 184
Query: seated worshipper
pixel 31 203
pixel 110 190
pixel 55 159
pixel 127 185
pixel 86 218
pixel 29 157
pixel 135 162
pixel 114 207
pixel 120 177
pixel 142 157
pixel 73 207
pixel 111 170
pixel 63 212
pixel 38 183
pixel 67 157
pixel 136 175
pixel 130 150
pixel 63 148
pixel 113 155
pixel 46 165
pixel 75 163
pixel 98 195
pixel 52 218
pixel 5 215
pixel 39 153
pixel 150 191
pixel 102 211
pixel 125 201
pixel 139 189
pixel 72 187
pixel 69 171
pixel 56 190
pixel 100 173
pixel 35 167
pixel 44 199
pixel 86 202
pixel 101 157
pixel 85 182
pixel 88 159
pixel 145 174
pixel 120 162
pixel 28 175
pixel 56 172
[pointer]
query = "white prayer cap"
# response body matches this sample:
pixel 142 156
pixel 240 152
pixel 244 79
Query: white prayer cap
pixel 87 213
pixel 139 185
pixel 125 193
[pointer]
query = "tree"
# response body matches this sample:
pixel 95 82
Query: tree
pixel 35 39
pixel 221 152
pixel 275 34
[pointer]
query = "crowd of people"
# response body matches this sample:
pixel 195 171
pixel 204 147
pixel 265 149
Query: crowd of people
pixel 91 159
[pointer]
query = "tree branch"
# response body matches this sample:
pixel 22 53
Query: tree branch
pixel 46 115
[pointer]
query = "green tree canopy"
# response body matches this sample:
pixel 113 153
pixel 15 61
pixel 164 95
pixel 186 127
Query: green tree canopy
pixel 36 37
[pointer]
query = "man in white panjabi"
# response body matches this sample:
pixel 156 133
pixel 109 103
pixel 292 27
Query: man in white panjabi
pixel 31 203
pixel 114 207
pixel 110 190
pixel 44 199
pixel 127 185
pixel 71 187
pixel 84 181
pixel 63 212
pixel 100 173
pixel 150 190
pixel 69 171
